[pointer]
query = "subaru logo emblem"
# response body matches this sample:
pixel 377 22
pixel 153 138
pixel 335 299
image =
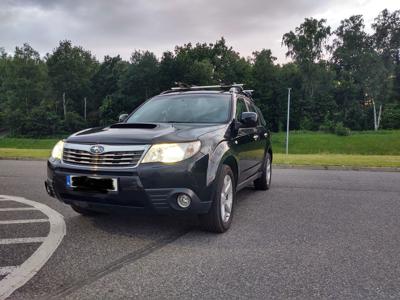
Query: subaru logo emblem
pixel 97 149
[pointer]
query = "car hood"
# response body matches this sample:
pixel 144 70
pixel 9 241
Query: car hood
pixel 124 133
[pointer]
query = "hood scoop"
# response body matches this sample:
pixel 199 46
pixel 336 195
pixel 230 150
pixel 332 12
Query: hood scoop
pixel 134 125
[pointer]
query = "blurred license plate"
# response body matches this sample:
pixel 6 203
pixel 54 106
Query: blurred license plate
pixel 89 183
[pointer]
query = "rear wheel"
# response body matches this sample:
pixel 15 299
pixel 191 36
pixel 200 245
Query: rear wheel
pixel 264 182
pixel 84 211
pixel 219 218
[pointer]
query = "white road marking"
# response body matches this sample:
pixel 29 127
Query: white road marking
pixel 22 240
pixel 3 222
pixel 21 274
pixel 17 208
pixel 6 270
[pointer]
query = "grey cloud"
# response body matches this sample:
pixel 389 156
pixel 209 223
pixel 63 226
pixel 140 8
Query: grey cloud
pixel 120 26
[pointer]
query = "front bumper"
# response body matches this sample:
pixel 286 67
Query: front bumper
pixel 148 188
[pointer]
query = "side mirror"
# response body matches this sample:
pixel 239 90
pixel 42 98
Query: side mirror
pixel 122 118
pixel 249 119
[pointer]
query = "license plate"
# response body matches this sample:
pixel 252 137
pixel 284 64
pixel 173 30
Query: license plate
pixel 91 183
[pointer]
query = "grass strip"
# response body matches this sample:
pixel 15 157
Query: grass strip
pixel 13 153
pixel 346 160
pixel 27 143
pixel 383 142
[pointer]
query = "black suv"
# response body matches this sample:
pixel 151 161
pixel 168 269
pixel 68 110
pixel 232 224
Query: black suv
pixel 187 150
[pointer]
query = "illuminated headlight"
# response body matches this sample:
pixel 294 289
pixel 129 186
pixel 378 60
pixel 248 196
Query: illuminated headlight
pixel 58 150
pixel 170 153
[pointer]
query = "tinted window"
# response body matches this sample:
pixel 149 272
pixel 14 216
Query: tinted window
pixel 240 107
pixel 193 108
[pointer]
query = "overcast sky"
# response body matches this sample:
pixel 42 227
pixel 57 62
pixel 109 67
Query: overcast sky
pixel 120 26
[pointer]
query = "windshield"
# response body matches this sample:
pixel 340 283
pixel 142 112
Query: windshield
pixel 193 108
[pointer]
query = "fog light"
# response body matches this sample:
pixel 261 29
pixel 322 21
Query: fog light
pixel 183 200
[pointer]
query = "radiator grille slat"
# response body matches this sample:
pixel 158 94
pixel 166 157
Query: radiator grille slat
pixel 107 159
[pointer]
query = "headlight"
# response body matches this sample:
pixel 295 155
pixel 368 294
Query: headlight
pixel 58 150
pixel 170 153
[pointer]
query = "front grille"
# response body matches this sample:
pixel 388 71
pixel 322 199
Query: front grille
pixel 107 159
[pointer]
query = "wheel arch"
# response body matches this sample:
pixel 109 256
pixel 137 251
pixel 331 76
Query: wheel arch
pixel 220 156
pixel 231 161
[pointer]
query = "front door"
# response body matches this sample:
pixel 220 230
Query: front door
pixel 259 138
pixel 245 145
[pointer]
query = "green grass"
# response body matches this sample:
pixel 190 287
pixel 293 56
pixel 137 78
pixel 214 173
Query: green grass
pixel 24 153
pixel 340 160
pixel 385 142
pixel 25 143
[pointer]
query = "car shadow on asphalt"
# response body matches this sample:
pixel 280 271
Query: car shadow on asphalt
pixel 142 226
pixel 126 224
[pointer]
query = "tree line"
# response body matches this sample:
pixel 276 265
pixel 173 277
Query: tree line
pixel 341 79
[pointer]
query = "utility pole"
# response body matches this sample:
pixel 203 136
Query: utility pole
pixel 287 122
pixel 377 119
pixel 84 100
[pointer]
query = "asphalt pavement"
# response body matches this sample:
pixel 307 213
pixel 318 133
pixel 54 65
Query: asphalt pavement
pixel 315 234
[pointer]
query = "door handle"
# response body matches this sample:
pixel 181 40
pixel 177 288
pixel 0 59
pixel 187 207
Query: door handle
pixel 256 136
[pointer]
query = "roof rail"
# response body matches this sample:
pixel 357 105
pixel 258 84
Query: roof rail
pixel 235 87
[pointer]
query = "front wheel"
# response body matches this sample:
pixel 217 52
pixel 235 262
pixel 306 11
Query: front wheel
pixel 264 182
pixel 219 218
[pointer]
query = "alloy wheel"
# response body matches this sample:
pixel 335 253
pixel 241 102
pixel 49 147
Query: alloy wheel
pixel 226 198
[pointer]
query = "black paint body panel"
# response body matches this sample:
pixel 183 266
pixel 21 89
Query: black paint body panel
pixel 153 187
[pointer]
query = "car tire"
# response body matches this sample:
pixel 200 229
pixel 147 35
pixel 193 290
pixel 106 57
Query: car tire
pixel 264 182
pixel 85 211
pixel 219 218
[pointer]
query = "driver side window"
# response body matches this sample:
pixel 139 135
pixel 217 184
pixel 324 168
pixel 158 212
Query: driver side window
pixel 240 107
